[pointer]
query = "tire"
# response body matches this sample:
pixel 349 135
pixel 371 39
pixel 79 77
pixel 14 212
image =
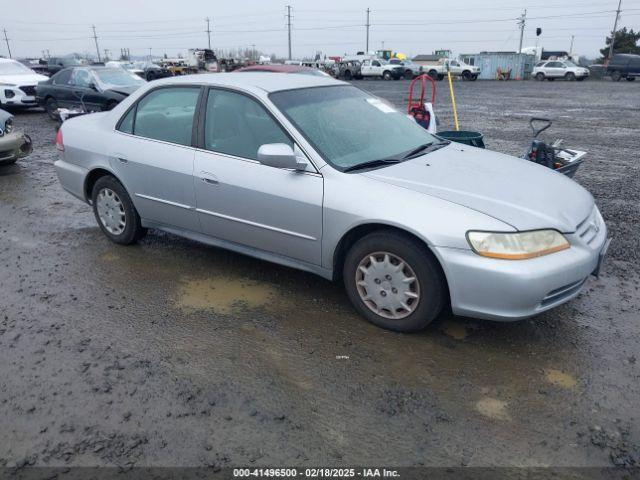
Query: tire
pixel 616 76
pixel 114 202
pixel 386 75
pixel 347 75
pixel 466 75
pixel 631 79
pixel 420 264
pixel 540 76
pixel 570 77
pixel 408 74
pixel 474 78
pixel 433 74
pixel 151 76
pixel 51 105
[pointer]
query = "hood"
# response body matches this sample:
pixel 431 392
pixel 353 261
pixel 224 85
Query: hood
pixel 126 91
pixel 23 80
pixel 521 193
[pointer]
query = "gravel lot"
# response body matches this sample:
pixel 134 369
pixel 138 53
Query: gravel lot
pixel 174 353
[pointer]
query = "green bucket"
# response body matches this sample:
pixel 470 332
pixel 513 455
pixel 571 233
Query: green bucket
pixel 475 139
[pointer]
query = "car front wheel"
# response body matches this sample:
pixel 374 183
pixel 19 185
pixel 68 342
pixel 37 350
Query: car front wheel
pixel 570 77
pixel 115 212
pixel 394 281
pixel 540 76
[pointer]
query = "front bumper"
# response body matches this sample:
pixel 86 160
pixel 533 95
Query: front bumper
pixel 18 96
pixel 13 146
pixel 507 290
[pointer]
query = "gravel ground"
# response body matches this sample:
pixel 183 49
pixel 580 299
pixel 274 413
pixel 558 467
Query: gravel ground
pixel 174 353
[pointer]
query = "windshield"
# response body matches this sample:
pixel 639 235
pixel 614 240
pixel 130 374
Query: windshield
pixel 14 68
pixel 110 78
pixel 349 127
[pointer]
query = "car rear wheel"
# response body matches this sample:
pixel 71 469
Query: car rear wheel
pixel 394 281
pixel 51 106
pixel 570 77
pixel 115 212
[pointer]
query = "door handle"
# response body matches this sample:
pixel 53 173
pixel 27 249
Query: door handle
pixel 209 178
pixel 123 160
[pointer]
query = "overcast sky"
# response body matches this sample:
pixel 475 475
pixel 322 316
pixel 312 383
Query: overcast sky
pixel 333 27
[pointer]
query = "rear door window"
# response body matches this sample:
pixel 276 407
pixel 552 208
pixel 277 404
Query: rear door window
pixel 165 114
pixel 63 77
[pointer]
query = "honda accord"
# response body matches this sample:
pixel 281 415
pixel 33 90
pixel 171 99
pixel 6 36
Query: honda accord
pixel 313 173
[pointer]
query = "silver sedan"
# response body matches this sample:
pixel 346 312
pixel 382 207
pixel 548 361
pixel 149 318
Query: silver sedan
pixel 315 174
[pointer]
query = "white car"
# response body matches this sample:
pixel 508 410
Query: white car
pixel 552 69
pixel 463 70
pixel 18 84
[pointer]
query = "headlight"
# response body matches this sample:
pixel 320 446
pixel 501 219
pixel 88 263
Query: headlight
pixel 517 246
pixel 8 125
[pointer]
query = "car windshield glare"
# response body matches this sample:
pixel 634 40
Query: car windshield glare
pixel 349 127
pixel 110 78
pixel 14 68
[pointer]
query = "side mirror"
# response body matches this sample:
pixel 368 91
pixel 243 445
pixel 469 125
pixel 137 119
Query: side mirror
pixel 280 155
pixel 93 86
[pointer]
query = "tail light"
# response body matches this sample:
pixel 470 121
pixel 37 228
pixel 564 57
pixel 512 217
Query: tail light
pixel 59 141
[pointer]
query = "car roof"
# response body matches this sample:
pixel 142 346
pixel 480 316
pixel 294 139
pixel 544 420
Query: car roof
pixel 275 68
pixel 8 60
pixel 263 81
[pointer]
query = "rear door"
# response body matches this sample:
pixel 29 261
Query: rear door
pixel 245 202
pixel 60 88
pixel 154 156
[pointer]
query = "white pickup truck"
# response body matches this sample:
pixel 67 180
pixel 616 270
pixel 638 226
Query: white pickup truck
pixel 437 70
pixel 378 68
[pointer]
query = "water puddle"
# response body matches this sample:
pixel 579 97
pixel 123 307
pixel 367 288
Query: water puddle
pixel 455 330
pixel 560 379
pixel 493 408
pixel 223 294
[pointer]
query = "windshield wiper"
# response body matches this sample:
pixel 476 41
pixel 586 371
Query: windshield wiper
pixel 424 148
pixel 372 164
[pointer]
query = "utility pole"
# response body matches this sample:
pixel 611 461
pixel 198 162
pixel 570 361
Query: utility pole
pixel 95 39
pixel 209 32
pixel 253 51
pixel 367 25
pixel 571 47
pixel 521 22
pixel 149 53
pixel 289 27
pixel 613 34
pixel 7 40
pixel 106 55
